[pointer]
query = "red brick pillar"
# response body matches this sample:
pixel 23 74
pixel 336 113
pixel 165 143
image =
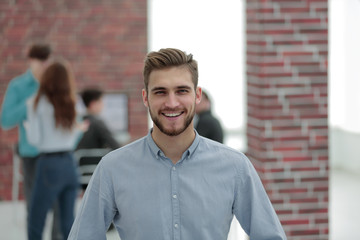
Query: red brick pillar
pixel 287 130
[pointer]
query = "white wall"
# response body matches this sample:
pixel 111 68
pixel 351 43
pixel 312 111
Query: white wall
pixel 345 150
pixel 344 64
pixel 213 31
pixel 344 83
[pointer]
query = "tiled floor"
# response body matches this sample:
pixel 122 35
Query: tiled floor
pixel 344 212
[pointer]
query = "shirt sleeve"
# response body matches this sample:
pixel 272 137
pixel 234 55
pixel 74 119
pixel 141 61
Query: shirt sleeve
pixel 97 210
pixel 253 208
pixel 33 124
pixel 13 110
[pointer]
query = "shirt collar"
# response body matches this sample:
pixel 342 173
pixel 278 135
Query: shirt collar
pixel 157 151
pixel 153 147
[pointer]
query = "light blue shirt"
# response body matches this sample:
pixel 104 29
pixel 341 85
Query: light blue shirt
pixel 148 197
pixel 13 112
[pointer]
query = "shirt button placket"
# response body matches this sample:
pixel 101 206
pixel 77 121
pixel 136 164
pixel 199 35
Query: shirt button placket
pixel 175 203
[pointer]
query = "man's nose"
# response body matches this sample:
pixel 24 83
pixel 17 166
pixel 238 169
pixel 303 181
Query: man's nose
pixel 172 100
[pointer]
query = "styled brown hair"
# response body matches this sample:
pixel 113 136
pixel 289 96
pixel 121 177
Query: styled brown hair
pixel 57 84
pixel 40 51
pixel 169 57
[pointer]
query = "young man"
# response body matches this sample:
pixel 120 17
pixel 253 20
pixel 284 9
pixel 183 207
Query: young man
pixel 207 125
pixel 173 183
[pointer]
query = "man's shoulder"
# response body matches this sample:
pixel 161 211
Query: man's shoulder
pixel 129 150
pixel 19 82
pixel 127 157
pixel 212 153
pixel 96 123
pixel 215 146
pixel 95 120
pixel 219 149
pixel 25 76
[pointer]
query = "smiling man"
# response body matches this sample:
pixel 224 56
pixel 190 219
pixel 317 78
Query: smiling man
pixel 173 183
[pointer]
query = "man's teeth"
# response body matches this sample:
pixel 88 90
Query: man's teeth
pixel 172 114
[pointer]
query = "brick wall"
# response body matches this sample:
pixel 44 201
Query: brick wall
pixel 105 41
pixel 287 130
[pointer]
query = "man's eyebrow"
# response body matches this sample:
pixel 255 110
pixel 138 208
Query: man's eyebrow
pixel 184 87
pixel 164 88
pixel 157 89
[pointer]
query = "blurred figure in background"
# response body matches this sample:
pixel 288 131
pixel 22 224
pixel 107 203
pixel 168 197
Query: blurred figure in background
pixel 52 128
pixel 13 114
pixel 207 125
pixel 98 135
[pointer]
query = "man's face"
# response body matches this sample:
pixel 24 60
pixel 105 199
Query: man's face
pixel 97 106
pixel 38 67
pixel 171 99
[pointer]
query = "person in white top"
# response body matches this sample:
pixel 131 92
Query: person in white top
pixel 51 127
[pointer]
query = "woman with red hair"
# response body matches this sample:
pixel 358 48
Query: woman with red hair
pixel 51 127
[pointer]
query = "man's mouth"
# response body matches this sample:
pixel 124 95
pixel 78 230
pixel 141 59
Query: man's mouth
pixel 171 115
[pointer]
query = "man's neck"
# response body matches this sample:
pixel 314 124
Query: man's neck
pixel 35 68
pixel 174 146
pixel 91 112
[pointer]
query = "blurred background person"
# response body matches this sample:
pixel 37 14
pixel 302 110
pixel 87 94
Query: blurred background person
pixel 51 127
pixel 98 135
pixel 13 113
pixel 206 124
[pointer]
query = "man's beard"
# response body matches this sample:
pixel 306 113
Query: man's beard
pixel 172 132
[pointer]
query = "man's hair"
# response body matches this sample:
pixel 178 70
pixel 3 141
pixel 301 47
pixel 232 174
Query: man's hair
pixel 40 51
pixel 91 94
pixel 169 57
pixel 205 95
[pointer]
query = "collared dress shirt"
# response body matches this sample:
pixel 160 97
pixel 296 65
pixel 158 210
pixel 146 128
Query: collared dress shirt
pixel 148 197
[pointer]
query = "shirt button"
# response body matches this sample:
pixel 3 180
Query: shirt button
pixel 176 225
pixel 173 168
pixel 174 196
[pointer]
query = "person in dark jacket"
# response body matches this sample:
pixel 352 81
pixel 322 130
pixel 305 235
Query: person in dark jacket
pixel 207 124
pixel 98 134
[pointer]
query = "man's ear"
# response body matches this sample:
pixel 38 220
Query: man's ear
pixel 145 98
pixel 91 104
pixel 198 95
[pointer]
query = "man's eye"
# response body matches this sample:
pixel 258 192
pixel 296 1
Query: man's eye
pixel 159 92
pixel 182 91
